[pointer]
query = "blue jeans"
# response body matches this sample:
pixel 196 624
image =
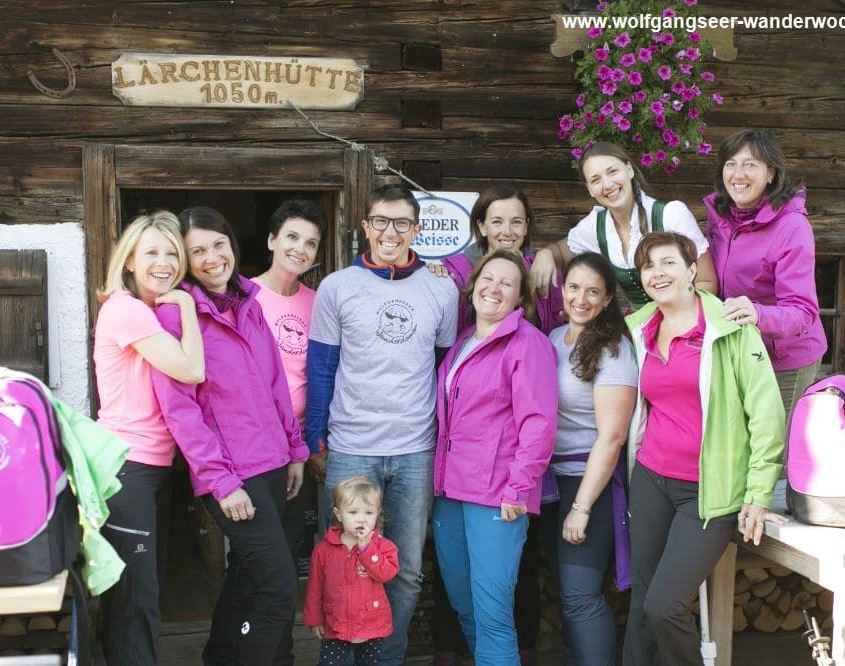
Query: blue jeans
pixel 407 483
pixel 588 625
pixel 479 555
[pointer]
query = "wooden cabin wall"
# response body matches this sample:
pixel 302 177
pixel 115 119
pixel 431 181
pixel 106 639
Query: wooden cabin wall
pixel 458 94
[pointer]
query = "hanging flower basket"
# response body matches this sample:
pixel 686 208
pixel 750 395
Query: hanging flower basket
pixel 645 85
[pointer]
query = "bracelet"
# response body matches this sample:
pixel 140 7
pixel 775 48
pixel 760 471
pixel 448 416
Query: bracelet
pixel 580 508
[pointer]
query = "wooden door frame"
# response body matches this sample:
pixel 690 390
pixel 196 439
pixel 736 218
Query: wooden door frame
pixel 106 168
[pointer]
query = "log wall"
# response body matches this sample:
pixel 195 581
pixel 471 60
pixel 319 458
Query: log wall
pixel 457 95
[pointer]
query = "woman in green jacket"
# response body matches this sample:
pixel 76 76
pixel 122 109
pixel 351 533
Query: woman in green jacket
pixel 710 449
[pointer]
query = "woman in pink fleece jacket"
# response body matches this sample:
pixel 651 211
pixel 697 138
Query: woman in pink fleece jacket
pixel 497 412
pixel 764 251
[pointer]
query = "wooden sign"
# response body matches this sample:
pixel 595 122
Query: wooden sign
pixel 248 82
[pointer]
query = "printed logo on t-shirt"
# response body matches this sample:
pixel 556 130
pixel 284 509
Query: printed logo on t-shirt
pixel 396 322
pixel 291 334
pixel 361 571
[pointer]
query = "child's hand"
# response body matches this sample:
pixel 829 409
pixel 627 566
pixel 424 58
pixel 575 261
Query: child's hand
pixel 318 632
pixel 364 537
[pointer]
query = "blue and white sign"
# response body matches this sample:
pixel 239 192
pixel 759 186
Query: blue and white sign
pixel 444 217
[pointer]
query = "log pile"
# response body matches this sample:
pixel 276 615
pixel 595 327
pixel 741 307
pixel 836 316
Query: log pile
pixel 42 633
pixel 774 598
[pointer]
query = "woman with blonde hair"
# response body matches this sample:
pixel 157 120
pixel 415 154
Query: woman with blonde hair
pixel 147 263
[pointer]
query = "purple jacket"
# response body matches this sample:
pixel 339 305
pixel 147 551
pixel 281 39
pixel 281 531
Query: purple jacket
pixel 771 259
pixel 548 310
pixel 497 427
pixel 239 422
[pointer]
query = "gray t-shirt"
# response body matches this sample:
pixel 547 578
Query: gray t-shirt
pixel 387 330
pixel 576 413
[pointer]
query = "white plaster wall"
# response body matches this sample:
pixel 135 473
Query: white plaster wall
pixel 66 303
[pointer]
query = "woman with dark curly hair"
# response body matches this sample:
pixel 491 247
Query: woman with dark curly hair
pixel 597 388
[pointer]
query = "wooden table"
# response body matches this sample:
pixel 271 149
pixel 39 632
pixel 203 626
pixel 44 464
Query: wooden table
pixel 818 553
pixel 45 597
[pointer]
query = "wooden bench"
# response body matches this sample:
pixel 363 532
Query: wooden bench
pixel 45 597
pixel 817 553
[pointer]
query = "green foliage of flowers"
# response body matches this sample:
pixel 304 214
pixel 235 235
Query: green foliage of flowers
pixel 645 85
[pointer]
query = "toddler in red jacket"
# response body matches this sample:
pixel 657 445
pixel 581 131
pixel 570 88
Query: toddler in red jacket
pixel 345 603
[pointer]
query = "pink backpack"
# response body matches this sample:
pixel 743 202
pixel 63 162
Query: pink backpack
pixel 815 465
pixel 39 531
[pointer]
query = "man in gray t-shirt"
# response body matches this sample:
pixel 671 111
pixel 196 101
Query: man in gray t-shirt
pixel 371 383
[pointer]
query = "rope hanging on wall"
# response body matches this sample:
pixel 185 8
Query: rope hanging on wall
pixel 379 161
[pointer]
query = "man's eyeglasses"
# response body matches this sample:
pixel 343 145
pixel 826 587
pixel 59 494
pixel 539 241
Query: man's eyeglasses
pixel 400 224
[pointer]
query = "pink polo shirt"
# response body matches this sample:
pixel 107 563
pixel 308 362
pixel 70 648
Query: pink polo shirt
pixel 127 405
pixel 672 440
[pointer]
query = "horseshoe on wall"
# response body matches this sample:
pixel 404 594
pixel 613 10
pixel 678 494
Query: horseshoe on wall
pixel 52 92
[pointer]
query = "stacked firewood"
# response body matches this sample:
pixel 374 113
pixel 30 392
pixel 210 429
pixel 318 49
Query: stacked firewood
pixel 774 598
pixel 42 633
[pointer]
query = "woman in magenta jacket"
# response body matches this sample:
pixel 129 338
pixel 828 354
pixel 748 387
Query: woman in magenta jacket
pixel 764 252
pixel 242 443
pixel 497 414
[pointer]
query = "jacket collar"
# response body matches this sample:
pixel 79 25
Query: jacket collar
pixel 767 214
pixel 712 314
pixel 509 325
pixel 204 303
pixel 398 272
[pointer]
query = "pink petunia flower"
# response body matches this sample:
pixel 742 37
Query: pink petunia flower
pixel 708 76
pixel 637 138
pixel 677 87
pixel 670 138
pixel 694 37
pixel 668 12
pixel 603 72
pixel 704 148
pixel 644 55
pixel 692 113
pixel 717 98
pixel 601 6
pixel 688 95
pixel 693 53
pixel 690 3
pixel 617 75
pixel 606 109
pixel 635 78
pixel 566 124
pixel 664 72
pixel 594 33
pixel 659 155
pixel 628 60
pixel 660 122
pixel 686 69
pixel 622 40
pixel 656 108
pixel 580 101
pixel 625 106
pixel 639 96
pixel 646 160
pixel 677 105
pixel 607 88
pixel 601 55
pixel 576 153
